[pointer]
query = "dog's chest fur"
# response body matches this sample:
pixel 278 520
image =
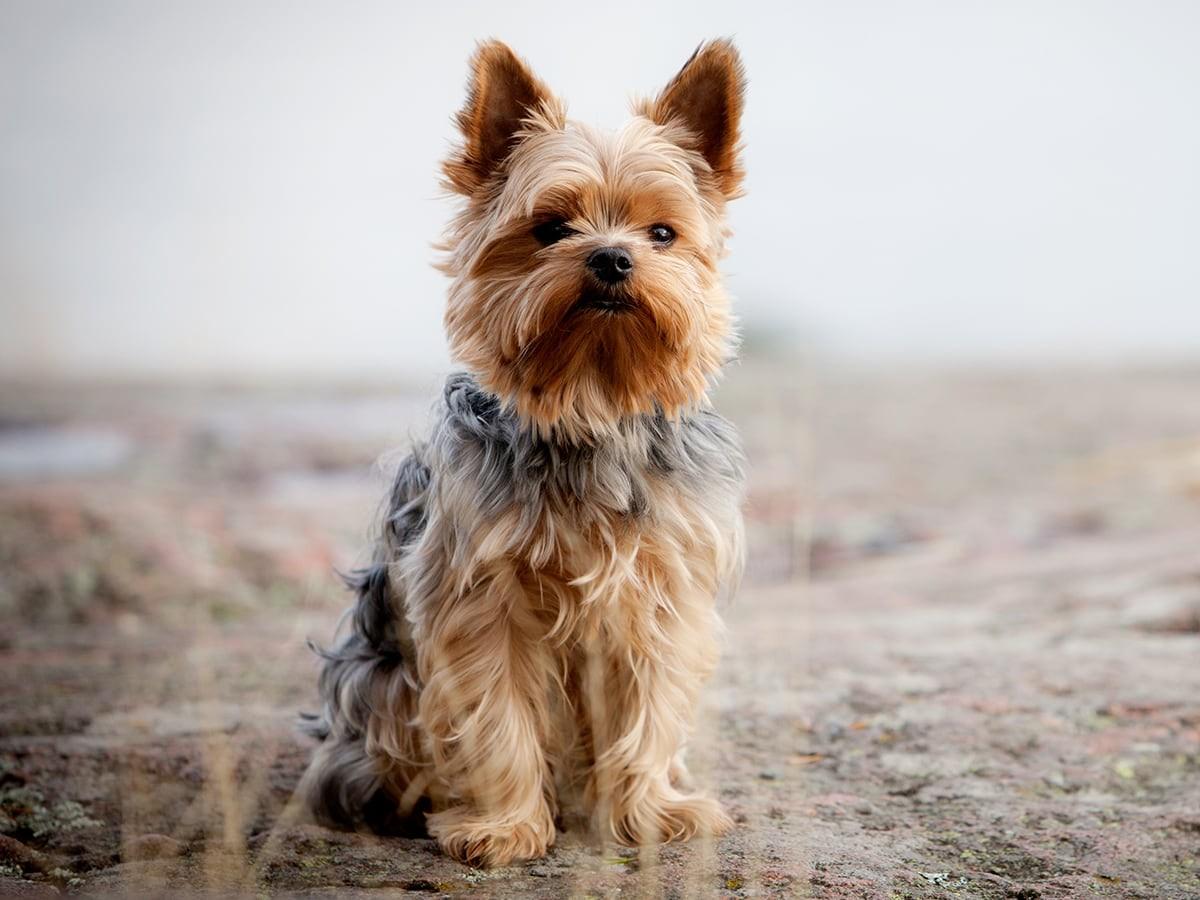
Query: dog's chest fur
pixel 644 516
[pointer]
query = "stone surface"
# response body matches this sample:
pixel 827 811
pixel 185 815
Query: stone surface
pixel 965 661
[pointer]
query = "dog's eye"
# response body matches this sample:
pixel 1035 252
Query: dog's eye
pixel 662 234
pixel 553 231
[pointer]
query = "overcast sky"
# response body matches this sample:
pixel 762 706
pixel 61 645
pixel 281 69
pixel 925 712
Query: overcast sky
pixel 237 188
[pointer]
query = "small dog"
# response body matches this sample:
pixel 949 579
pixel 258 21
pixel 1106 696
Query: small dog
pixel 540 612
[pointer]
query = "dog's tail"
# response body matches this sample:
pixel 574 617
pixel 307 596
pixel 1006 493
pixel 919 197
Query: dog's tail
pixel 342 784
pixel 370 758
pixel 362 679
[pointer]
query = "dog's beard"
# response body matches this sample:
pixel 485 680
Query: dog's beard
pixel 577 314
pixel 603 353
pixel 605 300
pixel 585 330
pixel 574 356
pixel 590 322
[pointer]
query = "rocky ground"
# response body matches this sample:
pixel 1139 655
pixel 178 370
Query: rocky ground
pixel 965 661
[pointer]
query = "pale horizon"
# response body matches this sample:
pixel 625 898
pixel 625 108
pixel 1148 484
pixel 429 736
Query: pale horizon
pixel 236 191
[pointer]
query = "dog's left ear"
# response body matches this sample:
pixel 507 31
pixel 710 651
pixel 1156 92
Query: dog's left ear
pixel 706 97
pixel 502 95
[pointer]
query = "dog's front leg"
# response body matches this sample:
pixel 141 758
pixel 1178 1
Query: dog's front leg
pixel 484 709
pixel 642 686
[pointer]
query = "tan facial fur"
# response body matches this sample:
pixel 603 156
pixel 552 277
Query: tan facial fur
pixel 514 317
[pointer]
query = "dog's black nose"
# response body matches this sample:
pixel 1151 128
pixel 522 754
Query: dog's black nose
pixel 610 264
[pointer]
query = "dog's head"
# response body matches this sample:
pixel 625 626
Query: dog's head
pixel 584 264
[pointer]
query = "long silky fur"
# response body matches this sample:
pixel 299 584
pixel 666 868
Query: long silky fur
pixel 540 609
pixel 479 448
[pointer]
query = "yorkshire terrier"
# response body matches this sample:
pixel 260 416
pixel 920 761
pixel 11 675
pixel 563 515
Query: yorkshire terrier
pixel 541 609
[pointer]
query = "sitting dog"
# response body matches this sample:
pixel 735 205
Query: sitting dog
pixel 540 613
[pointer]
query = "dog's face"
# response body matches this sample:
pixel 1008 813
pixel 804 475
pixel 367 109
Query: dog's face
pixel 584 264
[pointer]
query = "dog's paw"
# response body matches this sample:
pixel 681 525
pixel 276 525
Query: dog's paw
pixel 474 839
pixel 673 818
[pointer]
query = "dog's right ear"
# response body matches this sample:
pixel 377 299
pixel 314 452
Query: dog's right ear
pixel 706 97
pixel 502 95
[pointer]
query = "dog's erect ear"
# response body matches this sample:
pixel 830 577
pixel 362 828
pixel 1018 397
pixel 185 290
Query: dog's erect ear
pixel 501 95
pixel 706 97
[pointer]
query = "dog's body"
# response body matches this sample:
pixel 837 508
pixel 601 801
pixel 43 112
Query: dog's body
pixel 540 613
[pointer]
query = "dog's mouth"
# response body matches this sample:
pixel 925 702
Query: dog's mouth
pixel 604 301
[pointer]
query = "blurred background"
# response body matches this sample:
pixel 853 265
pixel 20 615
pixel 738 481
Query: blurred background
pixel 963 659
pixel 228 189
